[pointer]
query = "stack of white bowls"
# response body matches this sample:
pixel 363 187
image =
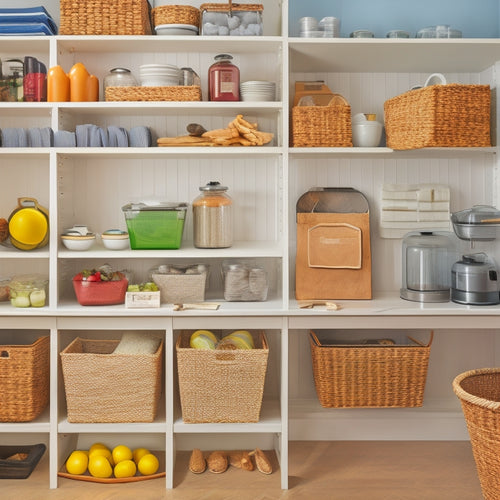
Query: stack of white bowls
pixel 159 75
pixel 258 91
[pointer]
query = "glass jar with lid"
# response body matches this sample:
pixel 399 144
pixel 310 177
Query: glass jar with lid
pixel 224 79
pixel 119 77
pixel 213 217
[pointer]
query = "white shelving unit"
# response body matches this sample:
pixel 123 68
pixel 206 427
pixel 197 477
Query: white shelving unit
pixel 91 185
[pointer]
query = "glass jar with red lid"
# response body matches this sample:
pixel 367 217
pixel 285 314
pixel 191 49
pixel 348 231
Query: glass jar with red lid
pixel 224 79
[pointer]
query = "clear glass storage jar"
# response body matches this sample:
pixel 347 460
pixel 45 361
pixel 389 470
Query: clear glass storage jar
pixel 213 217
pixel 224 79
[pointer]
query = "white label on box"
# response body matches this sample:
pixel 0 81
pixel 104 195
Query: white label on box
pixel 142 299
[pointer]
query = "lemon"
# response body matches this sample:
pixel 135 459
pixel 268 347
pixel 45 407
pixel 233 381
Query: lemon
pixel 99 466
pixel 77 462
pixel 102 452
pixel 96 446
pixel 148 464
pixel 125 468
pixel 244 334
pixel 138 453
pixel 120 453
pixel 202 341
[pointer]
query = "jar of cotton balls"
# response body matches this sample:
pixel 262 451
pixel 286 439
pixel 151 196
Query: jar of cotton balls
pixel 224 20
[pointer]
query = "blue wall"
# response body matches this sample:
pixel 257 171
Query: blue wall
pixel 476 19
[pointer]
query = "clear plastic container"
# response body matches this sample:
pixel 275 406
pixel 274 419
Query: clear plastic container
pixel 28 290
pixel 224 79
pixel 119 77
pixel 213 217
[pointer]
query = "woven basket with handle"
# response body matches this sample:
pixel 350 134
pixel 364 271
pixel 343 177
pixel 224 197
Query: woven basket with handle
pixel 102 386
pixel 479 394
pixel 369 376
pixel 322 126
pixel 105 17
pixel 452 115
pixel 219 385
pixel 24 380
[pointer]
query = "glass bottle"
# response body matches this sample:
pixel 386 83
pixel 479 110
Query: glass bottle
pixel 119 77
pixel 224 79
pixel 213 217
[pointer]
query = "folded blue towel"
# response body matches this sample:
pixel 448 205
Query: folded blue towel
pixel 29 15
pixel 32 29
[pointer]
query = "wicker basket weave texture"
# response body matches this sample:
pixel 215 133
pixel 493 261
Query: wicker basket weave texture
pixel 105 17
pixel 369 377
pixel 221 386
pixel 479 394
pixel 321 126
pixel 176 14
pixel 172 93
pixel 24 380
pixel 104 387
pixel 452 115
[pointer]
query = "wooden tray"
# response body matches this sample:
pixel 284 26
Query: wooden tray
pixel 114 480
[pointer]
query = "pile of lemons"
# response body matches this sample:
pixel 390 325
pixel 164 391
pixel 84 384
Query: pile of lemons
pixel 205 339
pixel 104 462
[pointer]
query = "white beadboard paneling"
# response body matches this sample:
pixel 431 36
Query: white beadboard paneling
pixel 470 181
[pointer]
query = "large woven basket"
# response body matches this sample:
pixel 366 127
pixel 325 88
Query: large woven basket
pixel 479 394
pixel 220 385
pixel 171 93
pixel 176 14
pixel 322 126
pixel 105 17
pixel 369 376
pixel 105 387
pixel 452 115
pixel 24 380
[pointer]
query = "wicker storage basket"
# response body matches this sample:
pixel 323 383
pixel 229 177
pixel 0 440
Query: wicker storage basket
pixel 479 394
pixel 176 14
pixel 105 17
pixel 369 376
pixel 181 288
pixel 105 387
pixel 452 115
pixel 24 380
pixel 220 385
pixel 173 93
pixel 322 126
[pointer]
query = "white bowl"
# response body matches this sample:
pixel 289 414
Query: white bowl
pixel 366 134
pixel 118 241
pixel 80 243
pixel 176 29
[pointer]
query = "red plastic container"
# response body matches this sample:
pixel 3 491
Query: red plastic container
pixel 100 293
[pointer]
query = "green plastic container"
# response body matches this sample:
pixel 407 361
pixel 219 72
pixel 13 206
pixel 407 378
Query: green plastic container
pixel 155 227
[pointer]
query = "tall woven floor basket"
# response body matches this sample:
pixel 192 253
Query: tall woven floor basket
pixel 479 393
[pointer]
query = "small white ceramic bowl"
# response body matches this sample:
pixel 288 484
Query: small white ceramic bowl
pixel 76 242
pixel 115 239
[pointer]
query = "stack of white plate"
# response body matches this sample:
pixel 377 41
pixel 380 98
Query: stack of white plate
pixel 176 29
pixel 258 91
pixel 159 75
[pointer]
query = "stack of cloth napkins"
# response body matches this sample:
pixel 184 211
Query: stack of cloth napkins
pixel 85 136
pixel 413 207
pixel 27 137
pixel 93 136
pixel 26 21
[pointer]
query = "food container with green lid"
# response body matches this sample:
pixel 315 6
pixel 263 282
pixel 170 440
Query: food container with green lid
pixel 155 226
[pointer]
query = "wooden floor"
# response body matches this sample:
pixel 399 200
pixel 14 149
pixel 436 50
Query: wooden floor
pixel 374 470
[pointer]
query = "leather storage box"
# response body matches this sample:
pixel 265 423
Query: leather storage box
pixel 333 245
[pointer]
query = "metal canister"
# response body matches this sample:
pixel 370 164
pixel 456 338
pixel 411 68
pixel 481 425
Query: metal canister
pixel 213 217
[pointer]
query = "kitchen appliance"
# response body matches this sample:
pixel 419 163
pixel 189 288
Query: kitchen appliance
pixel 427 257
pixel 474 280
pixel 333 245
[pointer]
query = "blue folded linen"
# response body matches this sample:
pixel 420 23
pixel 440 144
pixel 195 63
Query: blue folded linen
pixel 32 29
pixel 29 15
